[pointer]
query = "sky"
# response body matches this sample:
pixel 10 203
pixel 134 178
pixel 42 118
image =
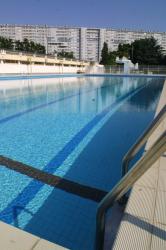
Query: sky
pixel 131 14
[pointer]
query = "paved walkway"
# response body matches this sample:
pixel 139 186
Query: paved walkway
pixel 143 225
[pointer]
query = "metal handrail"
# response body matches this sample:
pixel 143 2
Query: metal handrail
pixel 125 184
pixel 142 140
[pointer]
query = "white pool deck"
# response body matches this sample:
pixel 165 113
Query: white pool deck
pixel 12 238
pixel 143 225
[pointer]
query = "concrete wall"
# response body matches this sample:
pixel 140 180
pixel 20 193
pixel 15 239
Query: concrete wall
pixel 16 68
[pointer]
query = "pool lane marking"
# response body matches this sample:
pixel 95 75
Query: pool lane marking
pixel 75 141
pixel 34 186
pixel 8 118
pixel 44 105
pixel 83 191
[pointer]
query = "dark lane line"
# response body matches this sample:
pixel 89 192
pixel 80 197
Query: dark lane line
pixel 44 105
pixel 31 190
pixel 62 155
pixel 53 180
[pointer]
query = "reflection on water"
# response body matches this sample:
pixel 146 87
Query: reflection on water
pixel 86 94
pixel 149 98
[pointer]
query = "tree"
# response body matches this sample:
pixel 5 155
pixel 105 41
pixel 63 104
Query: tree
pixel 19 45
pixel 108 57
pixel 29 46
pixel 124 50
pixel 146 51
pixel 26 45
pixel 112 57
pixel 105 55
pixel 6 43
pixel 163 60
pixel 40 48
pixel 63 54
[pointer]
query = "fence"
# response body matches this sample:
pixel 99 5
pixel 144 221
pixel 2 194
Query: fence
pixel 142 69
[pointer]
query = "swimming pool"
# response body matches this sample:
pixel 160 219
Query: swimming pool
pixel 71 133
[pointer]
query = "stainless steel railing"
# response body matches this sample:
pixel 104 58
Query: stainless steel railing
pixel 142 140
pixel 126 183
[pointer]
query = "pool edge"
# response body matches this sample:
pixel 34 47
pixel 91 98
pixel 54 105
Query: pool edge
pixel 143 219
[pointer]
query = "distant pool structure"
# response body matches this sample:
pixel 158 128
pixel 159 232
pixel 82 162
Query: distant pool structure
pixel 62 140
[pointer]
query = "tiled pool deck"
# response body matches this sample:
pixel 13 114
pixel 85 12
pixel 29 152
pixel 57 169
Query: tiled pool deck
pixel 143 225
pixel 13 238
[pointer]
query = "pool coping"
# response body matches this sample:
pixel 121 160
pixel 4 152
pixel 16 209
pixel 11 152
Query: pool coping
pixel 17 239
pixel 143 225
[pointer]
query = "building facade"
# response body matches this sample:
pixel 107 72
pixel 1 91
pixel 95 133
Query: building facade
pixel 85 43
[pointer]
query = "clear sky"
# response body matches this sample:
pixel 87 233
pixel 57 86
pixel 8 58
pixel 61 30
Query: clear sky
pixel 132 14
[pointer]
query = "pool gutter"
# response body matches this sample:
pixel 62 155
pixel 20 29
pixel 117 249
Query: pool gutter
pixel 39 76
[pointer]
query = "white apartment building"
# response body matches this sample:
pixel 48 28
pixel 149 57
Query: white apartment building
pixel 85 43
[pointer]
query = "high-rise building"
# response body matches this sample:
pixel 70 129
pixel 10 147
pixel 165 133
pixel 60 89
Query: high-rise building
pixel 85 43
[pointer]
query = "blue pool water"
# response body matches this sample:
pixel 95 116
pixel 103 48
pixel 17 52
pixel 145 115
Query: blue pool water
pixel 76 128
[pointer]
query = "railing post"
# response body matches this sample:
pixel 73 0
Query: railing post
pixel 100 230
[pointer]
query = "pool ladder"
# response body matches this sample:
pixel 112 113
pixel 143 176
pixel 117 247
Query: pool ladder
pixel 129 177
